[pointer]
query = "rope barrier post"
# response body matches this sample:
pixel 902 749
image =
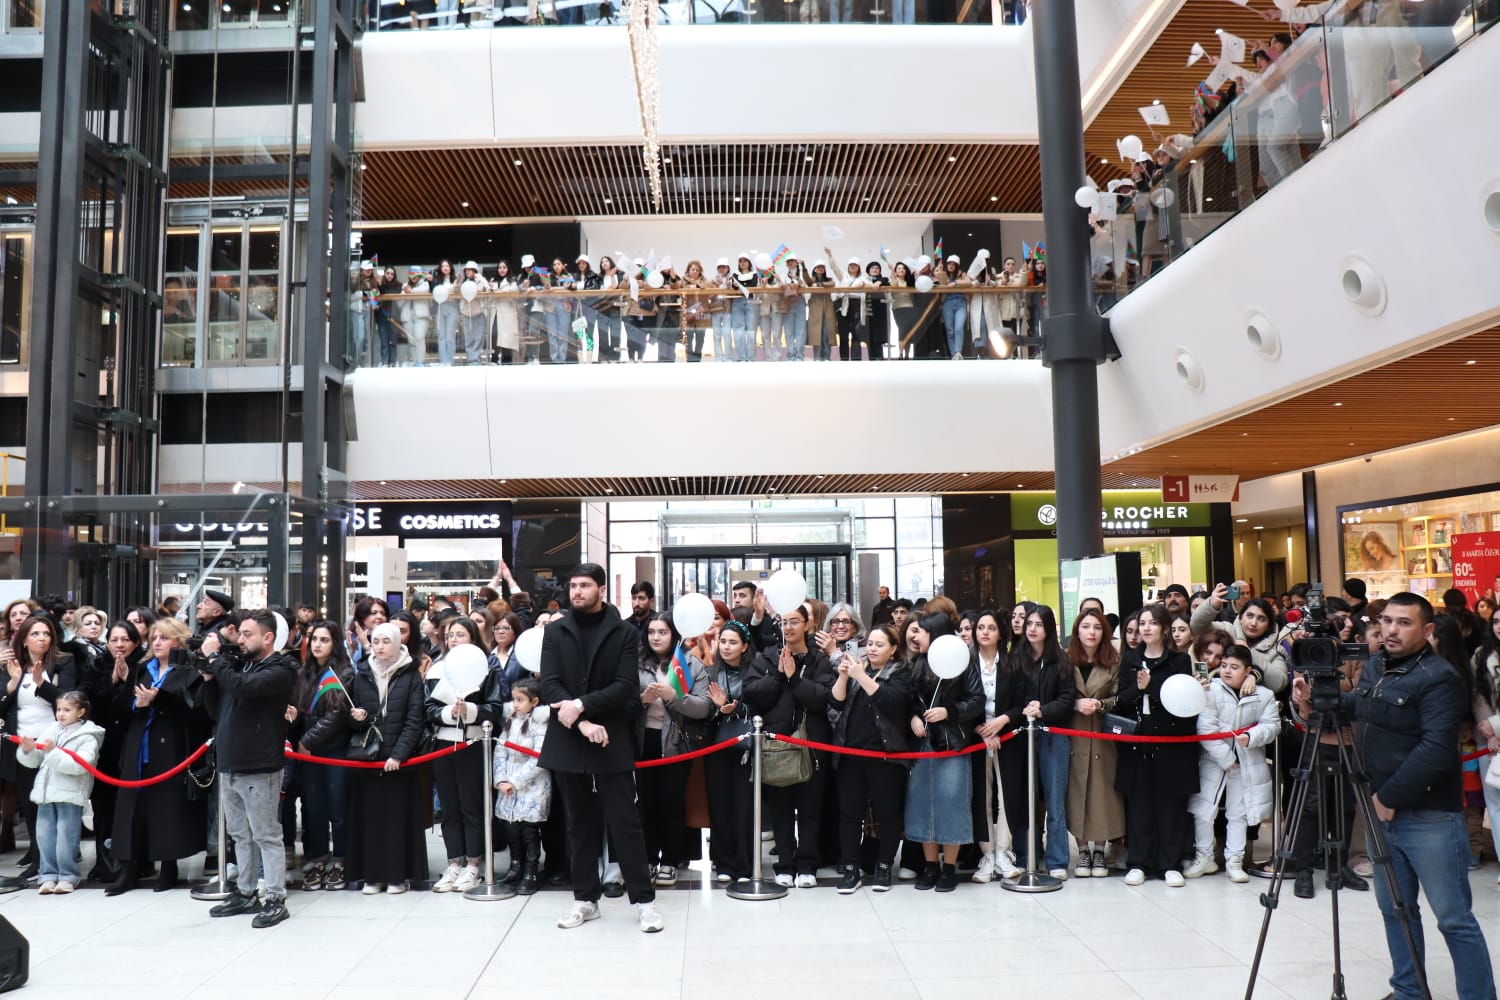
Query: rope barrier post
pixel 219 887
pixel 756 887
pixel 1033 879
pixel 489 890
pixel 1267 868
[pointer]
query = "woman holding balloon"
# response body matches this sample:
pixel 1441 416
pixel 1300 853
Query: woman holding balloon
pixel 1157 779
pixel 947 701
pixel 445 293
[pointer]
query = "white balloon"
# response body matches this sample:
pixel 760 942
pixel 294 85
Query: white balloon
pixel 948 657
pixel 468 290
pixel 1163 197
pixel 529 649
pixel 1131 147
pixel 655 280
pixel 464 668
pixel 1183 696
pixel 1085 197
pixel 923 283
pixel 281 631
pixel 440 293
pixel 763 262
pixel 693 614
pixel 785 590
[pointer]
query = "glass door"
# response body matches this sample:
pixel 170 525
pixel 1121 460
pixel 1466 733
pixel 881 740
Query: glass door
pixel 708 572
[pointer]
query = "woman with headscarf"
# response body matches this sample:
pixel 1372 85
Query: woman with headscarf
pixel 386 846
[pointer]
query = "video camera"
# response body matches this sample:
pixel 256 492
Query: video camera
pixel 1320 653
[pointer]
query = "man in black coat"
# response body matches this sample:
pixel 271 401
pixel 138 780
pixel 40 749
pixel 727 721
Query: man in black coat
pixel 213 612
pixel 589 678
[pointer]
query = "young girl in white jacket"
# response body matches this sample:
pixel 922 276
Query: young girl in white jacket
pixel 525 788
pixel 1235 769
pixel 62 789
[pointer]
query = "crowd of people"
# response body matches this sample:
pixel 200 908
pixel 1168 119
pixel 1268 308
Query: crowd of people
pixel 138 694
pixel 753 307
pixel 419 15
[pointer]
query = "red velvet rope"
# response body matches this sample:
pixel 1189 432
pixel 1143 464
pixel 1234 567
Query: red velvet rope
pixel 99 775
pixel 1132 738
pixel 880 755
pixel 658 762
pixel 371 765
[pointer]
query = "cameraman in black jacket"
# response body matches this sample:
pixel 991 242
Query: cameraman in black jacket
pixel 248 692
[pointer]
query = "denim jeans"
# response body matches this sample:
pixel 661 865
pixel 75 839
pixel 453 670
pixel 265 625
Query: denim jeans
pixel 252 807
pixel 795 325
pixel 904 12
pixel 773 335
pixel 388 337
pixel 58 827
pixel 723 337
pixel 559 329
pixel 447 332
pixel 476 338
pixel 742 326
pixel 955 315
pixel 1054 756
pixel 325 810
pixel 1431 847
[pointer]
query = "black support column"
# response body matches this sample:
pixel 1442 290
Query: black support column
pixel 1074 336
pixel 1310 526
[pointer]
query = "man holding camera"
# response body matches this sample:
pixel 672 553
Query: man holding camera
pixel 1407 708
pixel 249 686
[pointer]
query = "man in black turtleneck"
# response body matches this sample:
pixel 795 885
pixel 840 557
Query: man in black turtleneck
pixel 589 678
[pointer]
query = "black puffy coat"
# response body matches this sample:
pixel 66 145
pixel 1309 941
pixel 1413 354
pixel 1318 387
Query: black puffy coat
pixel 400 719
pixel 247 701
pixel 783 701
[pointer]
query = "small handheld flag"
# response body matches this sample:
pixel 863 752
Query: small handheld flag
pixel 1025 250
pixel 679 677
pixel 937 253
pixel 782 253
pixel 328 682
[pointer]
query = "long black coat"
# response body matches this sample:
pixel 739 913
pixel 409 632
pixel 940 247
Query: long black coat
pixel 401 722
pixel 1175 765
pixel 781 700
pixel 176 826
pixel 110 705
pixel 603 676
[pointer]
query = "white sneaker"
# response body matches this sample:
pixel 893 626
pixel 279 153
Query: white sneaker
pixel 467 880
pixel 373 888
pixel 1235 866
pixel 1175 880
pixel 450 876
pixel 666 875
pixel 231 872
pixel 1135 877
pixel 766 836
pixel 785 881
pixel 1202 864
pixel 806 881
pixel 986 870
pixel 395 888
pixel 651 921
pixel 581 913
pixel 906 874
pixel 1005 864
pixel 1059 873
pixel 723 878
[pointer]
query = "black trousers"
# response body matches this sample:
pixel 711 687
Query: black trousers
pixel 882 785
pixel 849 334
pixel 1318 821
pixel 596 801
pixel 877 331
pixel 661 794
pixel 1012 759
pixel 796 819
pixel 731 812
pixel 458 779
pixel 1158 832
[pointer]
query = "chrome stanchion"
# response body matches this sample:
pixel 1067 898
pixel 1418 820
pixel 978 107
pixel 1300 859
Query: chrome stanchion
pixel 1033 879
pixel 489 890
pixel 1267 868
pixel 220 887
pixel 755 887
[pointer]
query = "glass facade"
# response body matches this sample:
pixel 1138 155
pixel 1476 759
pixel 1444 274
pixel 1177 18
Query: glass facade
pixel 1424 545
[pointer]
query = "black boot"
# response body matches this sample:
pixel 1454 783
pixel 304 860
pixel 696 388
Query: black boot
pixel 929 876
pixel 947 878
pixel 532 835
pixel 517 856
pixel 126 881
pixel 166 878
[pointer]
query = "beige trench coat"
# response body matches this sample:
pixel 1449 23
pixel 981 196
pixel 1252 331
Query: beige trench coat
pixel 1095 810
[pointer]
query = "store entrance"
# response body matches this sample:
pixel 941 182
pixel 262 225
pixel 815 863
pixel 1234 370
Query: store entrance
pixel 712 570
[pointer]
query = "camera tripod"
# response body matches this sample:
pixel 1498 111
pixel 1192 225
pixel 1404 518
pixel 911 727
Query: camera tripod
pixel 1331 784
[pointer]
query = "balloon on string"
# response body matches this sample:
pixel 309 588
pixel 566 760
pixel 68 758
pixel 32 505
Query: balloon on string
pixel 655 280
pixel 464 668
pixel 468 290
pixel 785 591
pixel 1131 146
pixel 948 657
pixel 1183 696
pixel 529 649
pixel 763 261
pixel 440 293
pixel 923 283
pixel 282 631
pixel 693 614
pixel 1085 197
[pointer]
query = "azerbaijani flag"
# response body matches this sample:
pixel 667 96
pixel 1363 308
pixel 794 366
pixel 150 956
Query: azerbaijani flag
pixel 937 253
pixel 679 675
pixel 1041 252
pixel 781 254
pixel 1025 250
pixel 328 682
pixel 884 252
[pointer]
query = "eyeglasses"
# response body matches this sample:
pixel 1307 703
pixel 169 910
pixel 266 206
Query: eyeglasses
pixel 842 621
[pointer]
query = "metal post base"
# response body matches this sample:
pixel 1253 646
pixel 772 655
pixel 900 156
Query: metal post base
pixel 1262 869
pixel 1032 882
pixel 755 889
pixel 213 889
pixel 490 893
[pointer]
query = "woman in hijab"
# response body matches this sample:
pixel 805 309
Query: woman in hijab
pixel 386 846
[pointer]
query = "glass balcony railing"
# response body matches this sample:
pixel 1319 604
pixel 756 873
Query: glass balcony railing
pixel 396 15
pixel 1317 83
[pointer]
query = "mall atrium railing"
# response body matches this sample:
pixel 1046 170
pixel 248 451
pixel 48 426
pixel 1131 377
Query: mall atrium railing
pixel 1263 128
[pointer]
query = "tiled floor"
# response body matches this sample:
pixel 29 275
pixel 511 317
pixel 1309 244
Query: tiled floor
pixel 1094 938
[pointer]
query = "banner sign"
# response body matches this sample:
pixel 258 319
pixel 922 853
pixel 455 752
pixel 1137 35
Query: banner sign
pixel 1476 564
pixel 1200 489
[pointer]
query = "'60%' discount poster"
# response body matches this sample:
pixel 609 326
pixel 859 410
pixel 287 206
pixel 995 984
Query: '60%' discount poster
pixel 1476 564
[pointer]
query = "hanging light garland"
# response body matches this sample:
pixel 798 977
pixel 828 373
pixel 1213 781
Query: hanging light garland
pixel 644 17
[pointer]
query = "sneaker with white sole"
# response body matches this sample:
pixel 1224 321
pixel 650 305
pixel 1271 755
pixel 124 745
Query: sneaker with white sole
pixel 651 921
pixel 582 912
pixel 1202 864
pixel 806 881
pixel 1005 864
pixel 1234 864
pixel 373 888
pixel 1135 876
pixel 395 888
pixel 467 879
pixel 1085 867
pixel 1100 869
pixel 666 875
pixel 449 877
pixel 986 871
pixel 785 881
pixel 1174 879
pixel 1059 873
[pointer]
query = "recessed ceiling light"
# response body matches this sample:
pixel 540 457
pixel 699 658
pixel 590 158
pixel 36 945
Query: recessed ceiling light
pixel 666 159
pixel 609 201
pixel 1338 404
pixel 1103 162
pixel 464 204
pixel 608 489
pixel 382 482
pixel 952 159
pixel 1471 361
pixel 994 197
pixel 364 166
pixel 516 162
pixel 867 198
pixel 1020 486
pixel 807 159
pixel 1257 527
pixel 1450 420
pixel 1241 520
pixel 964 474
pixel 737 200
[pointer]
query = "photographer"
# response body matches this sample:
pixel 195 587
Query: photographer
pixel 1255 627
pixel 1407 707
pixel 248 690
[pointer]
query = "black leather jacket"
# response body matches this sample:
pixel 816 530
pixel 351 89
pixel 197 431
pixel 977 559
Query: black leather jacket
pixel 963 697
pixel 1406 719
pixel 890 705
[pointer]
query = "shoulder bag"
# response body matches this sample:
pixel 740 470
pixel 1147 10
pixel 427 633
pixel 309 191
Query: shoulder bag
pixel 783 764
pixel 369 745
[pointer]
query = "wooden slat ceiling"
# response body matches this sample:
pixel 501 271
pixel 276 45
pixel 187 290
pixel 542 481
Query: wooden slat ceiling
pixel 1441 391
pixel 717 179
pixel 1162 74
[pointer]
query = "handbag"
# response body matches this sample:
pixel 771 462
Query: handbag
pixel 200 776
pixel 369 745
pixel 1120 725
pixel 784 764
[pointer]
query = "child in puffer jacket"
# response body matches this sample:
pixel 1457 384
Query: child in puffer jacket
pixel 524 788
pixel 61 790
pixel 1235 768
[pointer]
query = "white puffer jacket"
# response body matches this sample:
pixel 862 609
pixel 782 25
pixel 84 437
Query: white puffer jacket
pixel 1225 712
pixel 60 778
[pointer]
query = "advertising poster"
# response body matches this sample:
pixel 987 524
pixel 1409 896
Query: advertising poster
pixel 1476 564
